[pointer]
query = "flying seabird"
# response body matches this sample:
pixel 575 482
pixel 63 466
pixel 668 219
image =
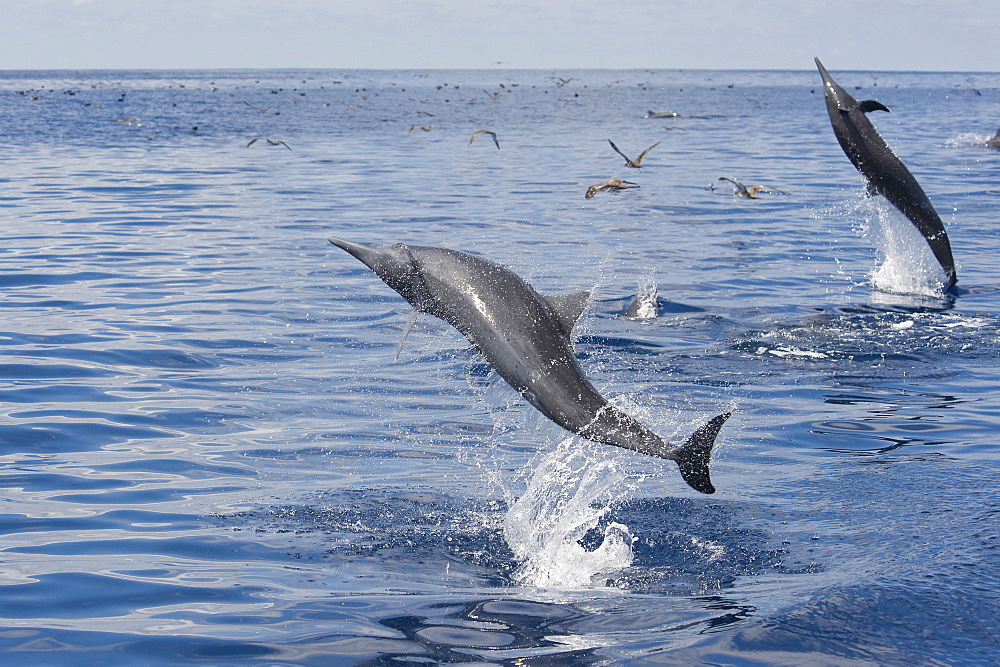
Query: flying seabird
pixel 265 110
pixel 751 192
pixel 489 132
pixel 636 163
pixel 614 184
pixel 270 142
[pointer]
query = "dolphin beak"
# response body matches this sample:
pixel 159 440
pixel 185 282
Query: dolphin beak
pixel 368 256
pixel 832 91
pixel 344 244
pixel 827 79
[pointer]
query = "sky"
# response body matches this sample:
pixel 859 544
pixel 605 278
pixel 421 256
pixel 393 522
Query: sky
pixel 916 35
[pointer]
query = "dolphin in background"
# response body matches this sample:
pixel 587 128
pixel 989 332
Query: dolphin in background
pixel 994 142
pixel 526 338
pixel 644 306
pixel 886 174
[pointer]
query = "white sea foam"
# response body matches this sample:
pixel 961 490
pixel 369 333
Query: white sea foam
pixel 906 263
pixel 567 495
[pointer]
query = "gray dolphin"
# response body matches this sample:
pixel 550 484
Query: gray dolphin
pixel 886 174
pixel 644 306
pixel 995 141
pixel 526 338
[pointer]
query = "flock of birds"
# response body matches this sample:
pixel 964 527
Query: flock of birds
pixel 611 185
pixel 364 96
pixel 615 184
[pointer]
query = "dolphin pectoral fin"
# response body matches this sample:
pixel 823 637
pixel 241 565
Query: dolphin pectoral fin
pixel 569 307
pixel 868 106
pixel 406 331
pixel 692 457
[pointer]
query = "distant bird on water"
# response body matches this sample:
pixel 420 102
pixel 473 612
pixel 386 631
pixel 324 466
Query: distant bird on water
pixel 636 163
pixel 265 110
pixel 270 142
pixel 751 192
pixel 614 184
pixel 489 132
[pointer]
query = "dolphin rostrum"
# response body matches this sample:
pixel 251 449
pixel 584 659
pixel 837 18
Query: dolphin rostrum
pixel 886 174
pixel 526 338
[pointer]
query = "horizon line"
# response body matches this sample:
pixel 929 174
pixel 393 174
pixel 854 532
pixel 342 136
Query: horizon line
pixel 479 69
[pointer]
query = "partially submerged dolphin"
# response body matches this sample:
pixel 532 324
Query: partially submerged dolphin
pixel 644 306
pixel 886 174
pixel 995 141
pixel 526 338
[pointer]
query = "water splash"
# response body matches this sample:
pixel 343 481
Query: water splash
pixel 567 495
pixel 906 263
pixel 645 305
pixel 966 139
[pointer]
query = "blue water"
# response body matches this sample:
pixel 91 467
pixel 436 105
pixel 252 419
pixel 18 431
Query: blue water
pixel 209 451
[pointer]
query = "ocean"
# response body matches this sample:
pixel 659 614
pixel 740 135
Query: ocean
pixel 216 446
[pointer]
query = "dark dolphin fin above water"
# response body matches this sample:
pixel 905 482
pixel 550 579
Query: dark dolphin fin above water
pixel 884 172
pixel 867 106
pixel 995 141
pixel 569 308
pixel 525 337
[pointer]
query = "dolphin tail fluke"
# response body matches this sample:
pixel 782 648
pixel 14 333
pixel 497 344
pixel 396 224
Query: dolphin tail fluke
pixel 952 281
pixel 692 457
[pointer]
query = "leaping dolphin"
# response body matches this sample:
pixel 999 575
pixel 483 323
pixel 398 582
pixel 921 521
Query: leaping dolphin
pixel 886 174
pixel 526 338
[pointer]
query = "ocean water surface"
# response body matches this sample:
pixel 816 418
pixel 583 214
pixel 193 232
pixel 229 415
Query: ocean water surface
pixel 214 448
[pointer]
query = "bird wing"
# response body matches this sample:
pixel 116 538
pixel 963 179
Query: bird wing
pixel 617 150
pixel 638 160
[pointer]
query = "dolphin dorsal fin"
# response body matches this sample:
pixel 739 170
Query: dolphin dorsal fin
pixel 569 307
pixel 868 106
